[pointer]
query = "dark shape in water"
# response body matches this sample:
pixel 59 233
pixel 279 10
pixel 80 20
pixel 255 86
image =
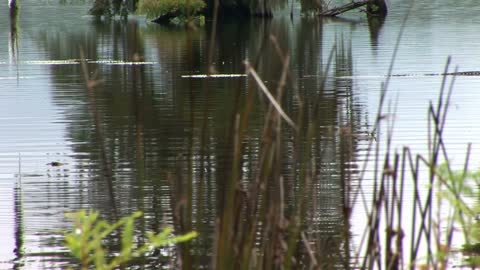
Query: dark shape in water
pixel 13 42
pixel 375 24
pixel 377 8
pixel 165 18
pixel 56 164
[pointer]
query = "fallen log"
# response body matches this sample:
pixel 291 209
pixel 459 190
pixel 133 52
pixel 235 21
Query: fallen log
pixel 339 10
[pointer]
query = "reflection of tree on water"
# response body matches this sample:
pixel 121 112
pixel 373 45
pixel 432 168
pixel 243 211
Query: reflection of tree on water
pixel 375 25
pixel 155 123
pixel 13 41
pixel 91 84
pixel 17 190
pixel 19 224
pixel 126 49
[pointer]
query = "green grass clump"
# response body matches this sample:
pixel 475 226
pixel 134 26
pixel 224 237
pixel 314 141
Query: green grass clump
pixel 172 8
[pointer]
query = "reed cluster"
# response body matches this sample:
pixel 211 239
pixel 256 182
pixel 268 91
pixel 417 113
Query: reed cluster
pixel 265 201
pixel 263 208
pixel 408 229
pixel 267 209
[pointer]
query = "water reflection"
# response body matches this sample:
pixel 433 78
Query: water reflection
pixel 157 136
pixel 18 250
pixel 375 25
pixel 133 133
pixel 13 40
pixel 148 139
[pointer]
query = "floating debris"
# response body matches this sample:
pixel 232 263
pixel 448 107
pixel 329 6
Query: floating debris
pixel 120 62
pixel 53 62
pixel 202 76
pixel 90 61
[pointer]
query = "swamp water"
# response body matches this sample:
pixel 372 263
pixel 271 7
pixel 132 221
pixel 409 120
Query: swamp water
pixel 152 119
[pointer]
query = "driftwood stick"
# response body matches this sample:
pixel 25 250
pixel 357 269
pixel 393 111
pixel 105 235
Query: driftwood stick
pixel 339 10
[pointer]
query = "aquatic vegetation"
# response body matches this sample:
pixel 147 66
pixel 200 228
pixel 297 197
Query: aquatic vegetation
pixel 109 8
pixel 459 189
pixel 175 11
pixel 86 241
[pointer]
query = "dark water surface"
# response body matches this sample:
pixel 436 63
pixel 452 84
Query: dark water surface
pixel 148 116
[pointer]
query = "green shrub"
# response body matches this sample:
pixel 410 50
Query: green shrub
pixel 86 241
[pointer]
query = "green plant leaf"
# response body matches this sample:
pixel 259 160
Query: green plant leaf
pixel 86 240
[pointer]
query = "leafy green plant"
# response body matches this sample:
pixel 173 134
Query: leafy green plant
pixel 86 241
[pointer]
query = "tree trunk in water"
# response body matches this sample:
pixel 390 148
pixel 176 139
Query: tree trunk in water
pixel 377 8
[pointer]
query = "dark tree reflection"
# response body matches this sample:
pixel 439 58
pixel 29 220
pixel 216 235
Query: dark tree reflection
pixel 168 139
